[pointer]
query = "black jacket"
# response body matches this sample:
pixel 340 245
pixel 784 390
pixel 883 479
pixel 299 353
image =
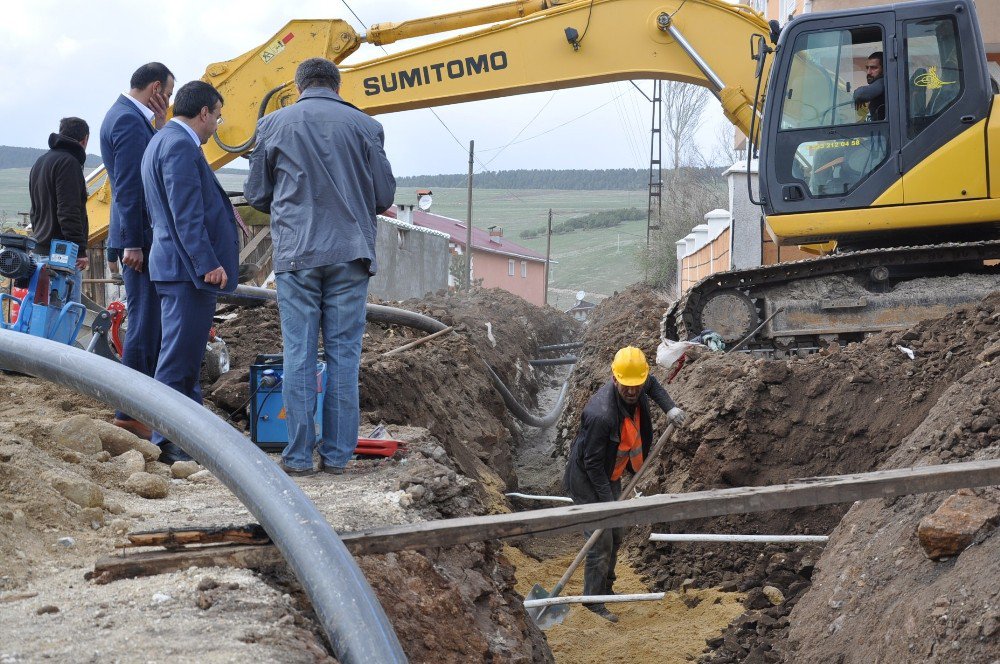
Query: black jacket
pixel 595 448
pixel 59 195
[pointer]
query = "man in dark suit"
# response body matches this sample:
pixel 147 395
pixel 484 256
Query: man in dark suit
pixel 195 251
pixel 127 129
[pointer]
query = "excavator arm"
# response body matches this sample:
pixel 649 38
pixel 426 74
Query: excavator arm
pixel 528 46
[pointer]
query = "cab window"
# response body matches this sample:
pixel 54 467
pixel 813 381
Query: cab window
pixel 933 71
pixel 833 128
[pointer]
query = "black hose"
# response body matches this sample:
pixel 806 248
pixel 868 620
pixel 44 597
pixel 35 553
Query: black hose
pixel 567 346
pixel 520 412
pixel 251 295
pixel 346 607
pixel 555 361
pixel 250 142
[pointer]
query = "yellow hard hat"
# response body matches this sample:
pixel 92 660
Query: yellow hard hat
pixel 630 367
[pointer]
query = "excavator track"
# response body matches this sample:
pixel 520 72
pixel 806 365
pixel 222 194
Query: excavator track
pixel 747 302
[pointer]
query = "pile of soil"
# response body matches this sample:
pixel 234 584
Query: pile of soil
pixel 441 385
pixel 756 422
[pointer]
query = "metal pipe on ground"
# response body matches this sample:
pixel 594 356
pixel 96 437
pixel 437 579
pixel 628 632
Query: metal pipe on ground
pixel 528 496
pixel 592 599
pixel 555 361
pixel 351 617
pixel 762 539
pixel 566 346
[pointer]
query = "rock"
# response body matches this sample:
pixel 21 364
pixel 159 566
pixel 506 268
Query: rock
pixel 7 452
pixel 147 485
pixel 114 507
pixel 66 542
pixel 204 602
pixel 161 598
pixel 232 390
pixel 78 490
pixel 48 608
pixel 130 462
pixel 117 441
pixel 958 522
pixel 78 433
pixel 207 583
pixel 756 599
pixel 200 476
pixel 773 595
pixel 93 517
pixel 184 469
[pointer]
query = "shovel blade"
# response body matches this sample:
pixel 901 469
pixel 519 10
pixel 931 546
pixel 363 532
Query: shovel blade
pixel 546 616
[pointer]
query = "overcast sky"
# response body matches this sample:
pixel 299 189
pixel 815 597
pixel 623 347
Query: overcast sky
pixel 73 58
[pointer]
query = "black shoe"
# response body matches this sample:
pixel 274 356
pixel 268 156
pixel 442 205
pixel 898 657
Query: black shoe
pixel 602 611
pixel 171 453
pixel 330 470
pixel 297 472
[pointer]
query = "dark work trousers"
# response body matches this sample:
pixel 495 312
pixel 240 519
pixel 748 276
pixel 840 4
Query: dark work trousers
pixel 142 336
pixel 187 317
pixel 599 573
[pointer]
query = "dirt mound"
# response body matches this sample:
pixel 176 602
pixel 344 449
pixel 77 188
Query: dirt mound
pixel 875 595
pixel 760 422
pixel 441 385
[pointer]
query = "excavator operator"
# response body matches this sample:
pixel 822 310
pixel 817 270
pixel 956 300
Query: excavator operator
pixel 615 434
pixel 871 98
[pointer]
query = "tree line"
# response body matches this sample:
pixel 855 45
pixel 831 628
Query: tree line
pixel 631 179
pixel 602 219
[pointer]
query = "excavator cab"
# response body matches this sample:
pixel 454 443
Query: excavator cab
pixel 830 147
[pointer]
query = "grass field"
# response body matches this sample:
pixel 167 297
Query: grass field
pixel 599 261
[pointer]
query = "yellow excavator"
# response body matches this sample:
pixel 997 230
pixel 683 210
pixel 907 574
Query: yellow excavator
pixel 901 202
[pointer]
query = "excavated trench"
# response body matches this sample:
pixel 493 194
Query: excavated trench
pixel 752 422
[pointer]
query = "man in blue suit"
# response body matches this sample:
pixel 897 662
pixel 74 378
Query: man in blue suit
pixel 195 250
pixel 127 129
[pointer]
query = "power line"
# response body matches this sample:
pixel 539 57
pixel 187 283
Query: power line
pixel 528 124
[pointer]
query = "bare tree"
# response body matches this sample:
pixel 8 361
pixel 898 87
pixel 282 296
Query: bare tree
pixel 730 146
pixel 683 105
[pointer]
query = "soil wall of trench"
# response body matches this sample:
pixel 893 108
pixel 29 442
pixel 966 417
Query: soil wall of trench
pixel 755 422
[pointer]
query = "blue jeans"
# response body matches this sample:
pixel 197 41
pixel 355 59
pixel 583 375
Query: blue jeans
pixel 331 298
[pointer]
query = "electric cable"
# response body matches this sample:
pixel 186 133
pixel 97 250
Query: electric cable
pixel 518 134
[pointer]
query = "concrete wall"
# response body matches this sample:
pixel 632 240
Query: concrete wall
pixel 494 270
pixel 412 261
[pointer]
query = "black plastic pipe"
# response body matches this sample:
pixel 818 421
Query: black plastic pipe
pixel 346 607
pixel 519 411
pixel 250 295
pixel 555 361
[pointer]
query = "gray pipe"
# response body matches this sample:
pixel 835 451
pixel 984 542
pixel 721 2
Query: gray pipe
pixel 566 346
pixel 346 607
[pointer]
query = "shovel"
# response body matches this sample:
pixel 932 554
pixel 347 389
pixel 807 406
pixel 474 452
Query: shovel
pixel 549 616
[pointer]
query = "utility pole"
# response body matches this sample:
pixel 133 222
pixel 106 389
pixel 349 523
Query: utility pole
pixel 468 224
pixel 548 257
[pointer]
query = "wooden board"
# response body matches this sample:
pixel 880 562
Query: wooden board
pixel 677 507
pixel 148 563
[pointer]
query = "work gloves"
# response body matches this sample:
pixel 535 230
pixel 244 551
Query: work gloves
pixel 677 416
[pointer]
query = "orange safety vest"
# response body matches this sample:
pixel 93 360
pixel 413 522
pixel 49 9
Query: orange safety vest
pixel 630 447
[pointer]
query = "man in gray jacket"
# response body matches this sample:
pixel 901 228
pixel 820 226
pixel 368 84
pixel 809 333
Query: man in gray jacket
pixel 320 171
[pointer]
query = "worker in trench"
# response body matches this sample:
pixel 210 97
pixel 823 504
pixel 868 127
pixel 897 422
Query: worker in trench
pixel 615 436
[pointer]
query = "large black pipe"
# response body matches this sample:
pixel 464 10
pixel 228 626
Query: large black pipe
pixel 351 616
pixel 554 361
pixel 566 346
pixel 519 411
pixel 250 295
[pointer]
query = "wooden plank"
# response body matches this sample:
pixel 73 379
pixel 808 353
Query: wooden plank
pixel 148 563
pixel 174 538
pixel 677 507
pixel 254 242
